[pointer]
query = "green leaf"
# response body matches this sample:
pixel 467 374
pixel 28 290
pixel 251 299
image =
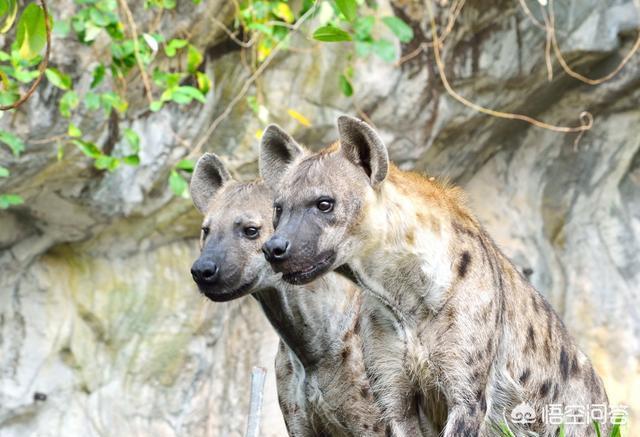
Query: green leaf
pixel 260 27
pixel 132 138
pixel 88 148
pixel 615 429
pixel 177 184
pixel 156 106
pixel 171 48
pixel 151 42
pixel 111 100
pixel 330 33
pixel 73 131
pixel 13 142
pixel 31 36
pixel 402 30
pixel 62 27
pixel 204 83
pixel 4 172
pixel 98 76
pixel 185 94
pixel 92 101
pixel 363 27
pixel 345 86
pixel 349 8
pixel 133 160
pixel 58 79
pixel 8 14
pixel 384 49
pixel 186 165
pixel 194 59
pixel 283 10
pixel 596 426
pixel 363 49
pixel 106 162
pixel 7 200
pixel 68 103
pixel 91 32
pixel 561 431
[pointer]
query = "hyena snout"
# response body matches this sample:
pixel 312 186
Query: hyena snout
pixel 276 249
pixel 204 271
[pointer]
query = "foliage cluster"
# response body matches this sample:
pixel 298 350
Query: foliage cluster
pixel 170 67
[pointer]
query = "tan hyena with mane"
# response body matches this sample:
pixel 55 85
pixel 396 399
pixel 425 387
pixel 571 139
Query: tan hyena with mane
pixel 458 317
pixel 323 388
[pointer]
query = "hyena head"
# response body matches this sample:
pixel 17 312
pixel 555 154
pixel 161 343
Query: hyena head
pixel 237 222
pixel 320 199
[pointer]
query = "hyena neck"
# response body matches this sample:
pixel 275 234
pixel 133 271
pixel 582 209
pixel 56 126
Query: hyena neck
pixel 309 318
pixel 406 258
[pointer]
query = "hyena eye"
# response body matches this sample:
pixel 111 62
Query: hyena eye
pixel 325 205
pixel 205 231
pixel 251 232
pixel 277 211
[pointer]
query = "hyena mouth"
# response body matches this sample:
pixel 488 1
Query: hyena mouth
pixel 225 296
pixel 312 271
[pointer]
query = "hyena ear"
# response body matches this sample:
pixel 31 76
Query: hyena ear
pixel 209 175
pixel 361 145
pixel 277 151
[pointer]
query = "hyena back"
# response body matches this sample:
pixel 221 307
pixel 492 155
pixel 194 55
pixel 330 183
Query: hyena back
pixel 460 318
pixel 322 385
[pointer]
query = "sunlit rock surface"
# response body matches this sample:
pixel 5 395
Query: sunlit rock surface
pixel 102 332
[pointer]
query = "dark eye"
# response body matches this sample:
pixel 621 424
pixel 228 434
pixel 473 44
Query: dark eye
pixel 205 231
pixel 325 205
pixel 277 211
pixel 251 232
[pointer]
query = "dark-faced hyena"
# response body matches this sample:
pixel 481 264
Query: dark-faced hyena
pixel 471 326
pixel 322 385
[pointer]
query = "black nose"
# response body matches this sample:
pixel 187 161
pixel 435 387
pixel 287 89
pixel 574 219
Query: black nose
pixel 276 249
pixel 204 271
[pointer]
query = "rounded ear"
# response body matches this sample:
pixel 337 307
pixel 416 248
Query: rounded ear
pixel 361 145
pixel 208 176
pixel 277 151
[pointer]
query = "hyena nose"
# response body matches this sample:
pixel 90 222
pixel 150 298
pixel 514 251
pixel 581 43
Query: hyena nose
pixel 204 271
pixel 276 249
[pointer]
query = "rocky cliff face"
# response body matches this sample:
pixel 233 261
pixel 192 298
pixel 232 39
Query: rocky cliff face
pixel 101 329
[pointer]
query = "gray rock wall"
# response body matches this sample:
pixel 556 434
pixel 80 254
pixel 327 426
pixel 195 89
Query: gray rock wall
pixel 97 309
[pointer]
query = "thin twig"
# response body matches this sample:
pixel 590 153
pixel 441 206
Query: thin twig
pixel 576 75
pixel 231 34
pixel 454 12
pixel 48 140
pixel 41 68
pixel 215 123
pixel 136 50
pixel 548 45
pixel 528 13
pixel 409 56
pixel 363 115
pixel 586 119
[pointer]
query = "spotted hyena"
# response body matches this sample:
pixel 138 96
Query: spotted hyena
pixel 322 385
pixel 459 318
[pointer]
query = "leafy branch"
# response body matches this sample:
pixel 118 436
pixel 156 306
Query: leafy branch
pixel 33 23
